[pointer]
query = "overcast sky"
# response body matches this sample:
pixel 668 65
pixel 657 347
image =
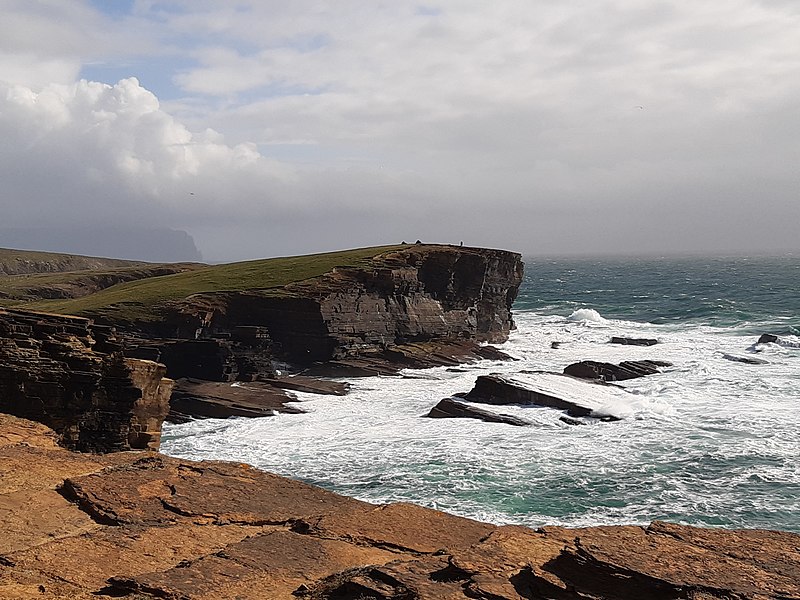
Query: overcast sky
pixel 266 128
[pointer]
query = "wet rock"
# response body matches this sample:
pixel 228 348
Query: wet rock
pixel 448 408
pixel 768 338
pixel 194 398
pixel 750 360
pixel 416 355
pixel 590 369
pixel 633 341
pixel 578 397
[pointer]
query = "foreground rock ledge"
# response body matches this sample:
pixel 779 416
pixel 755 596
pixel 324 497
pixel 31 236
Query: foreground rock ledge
pixel 142 525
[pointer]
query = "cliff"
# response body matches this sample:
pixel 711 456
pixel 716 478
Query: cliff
pixel 140 525
pixel 370 309
pixel 68 374
pixel 365 311
pixel 416 294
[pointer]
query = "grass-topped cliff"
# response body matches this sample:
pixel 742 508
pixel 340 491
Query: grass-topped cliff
pixel 140 299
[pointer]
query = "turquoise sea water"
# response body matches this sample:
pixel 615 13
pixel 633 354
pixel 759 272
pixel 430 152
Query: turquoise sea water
pixel 709 441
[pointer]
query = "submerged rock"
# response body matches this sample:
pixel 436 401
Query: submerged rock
pixel 750 360
pixel 626 341
pixel 449 408
pixel 767 338
pixel 590 369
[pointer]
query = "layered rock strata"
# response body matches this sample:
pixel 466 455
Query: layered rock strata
pixel 576 396
pixel 140 525
pixel 450 408
pixel 420 294
pixel 71 376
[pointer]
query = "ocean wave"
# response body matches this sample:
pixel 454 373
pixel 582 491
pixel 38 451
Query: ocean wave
pixel 587 315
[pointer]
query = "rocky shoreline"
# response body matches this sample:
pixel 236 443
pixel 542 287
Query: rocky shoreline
pixel 124 521
pixel 140 525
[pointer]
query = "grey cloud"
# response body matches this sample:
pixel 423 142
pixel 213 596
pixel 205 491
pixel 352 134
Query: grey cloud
pixel 549 127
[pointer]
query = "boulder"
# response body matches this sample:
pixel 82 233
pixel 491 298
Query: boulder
pixel 590 369
pixel 448 408
pixel 578 397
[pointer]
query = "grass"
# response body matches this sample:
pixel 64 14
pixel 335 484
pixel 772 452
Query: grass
pixel 139 300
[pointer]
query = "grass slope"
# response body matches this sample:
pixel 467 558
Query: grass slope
pixel 138 300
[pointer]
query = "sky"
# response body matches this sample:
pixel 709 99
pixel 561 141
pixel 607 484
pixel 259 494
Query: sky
pixel 266 128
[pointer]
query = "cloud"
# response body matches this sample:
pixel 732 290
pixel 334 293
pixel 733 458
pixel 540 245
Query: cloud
pixel 94 152
pixel 615 126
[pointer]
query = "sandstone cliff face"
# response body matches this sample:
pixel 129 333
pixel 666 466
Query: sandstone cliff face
pixel 69 375
pixel 418 294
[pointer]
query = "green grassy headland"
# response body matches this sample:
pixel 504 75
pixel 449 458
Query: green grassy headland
pixel 139 300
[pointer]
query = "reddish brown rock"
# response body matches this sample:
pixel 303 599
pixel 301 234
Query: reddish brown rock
pixel 139 525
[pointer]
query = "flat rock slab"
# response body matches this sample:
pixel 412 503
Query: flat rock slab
pixel 194 398
pixel 309 385
pixel 748 360
pixel 449 408
pixel 141 526
pixel 579 397
pixel 413 355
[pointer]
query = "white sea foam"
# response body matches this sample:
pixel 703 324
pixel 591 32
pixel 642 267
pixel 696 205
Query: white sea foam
pixel 708 440
pixel 587 314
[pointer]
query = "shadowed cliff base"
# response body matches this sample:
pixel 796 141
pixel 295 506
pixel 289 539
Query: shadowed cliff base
pixel 139 525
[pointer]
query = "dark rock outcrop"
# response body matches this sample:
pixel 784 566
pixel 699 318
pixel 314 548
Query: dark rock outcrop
pixel 767 338
pixel 65 373
pixel 193 398
pixel 631 369
pixel 578 397
pixel 144 526
pixel 422 294
pixel 449 408
pixel 626 341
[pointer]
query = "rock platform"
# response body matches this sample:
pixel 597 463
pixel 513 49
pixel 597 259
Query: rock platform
pixel 140 525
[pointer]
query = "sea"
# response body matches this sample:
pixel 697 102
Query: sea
pixel 709 441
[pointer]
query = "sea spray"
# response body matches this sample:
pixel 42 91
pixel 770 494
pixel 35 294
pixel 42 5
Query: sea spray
pixel 708 441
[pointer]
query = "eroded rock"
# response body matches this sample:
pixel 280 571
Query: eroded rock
pixel 631 369
pixel 69 375
pixel 449 408
pixel 139 525
pixel 578 397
